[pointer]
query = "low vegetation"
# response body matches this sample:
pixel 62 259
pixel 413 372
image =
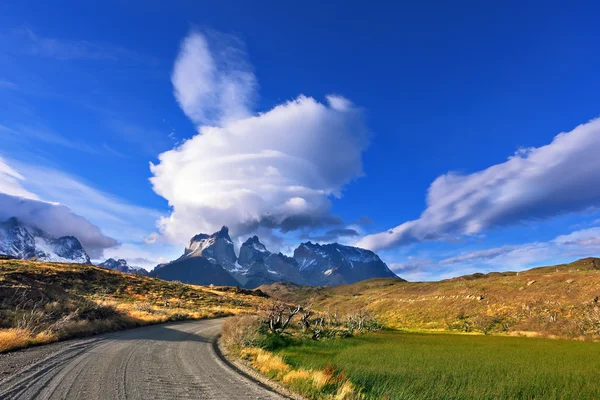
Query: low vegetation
pixel 559 301
pixel 396 365
pixel 331 346
pixel 359 361
pixel 44 302
pixel 258 339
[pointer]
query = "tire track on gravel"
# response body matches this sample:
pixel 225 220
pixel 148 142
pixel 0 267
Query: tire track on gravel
pixel 169 361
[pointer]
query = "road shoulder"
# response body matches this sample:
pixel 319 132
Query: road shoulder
pixel 243 369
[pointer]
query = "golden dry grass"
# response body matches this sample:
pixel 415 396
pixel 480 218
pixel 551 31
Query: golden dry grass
pixel 557 301
pixel 315 383
pixel 44 302
pixel 296 375
pixel 265 362
pixel 12 339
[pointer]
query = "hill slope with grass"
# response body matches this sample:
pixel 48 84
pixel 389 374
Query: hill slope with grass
pixel 560 300
pixel 42 302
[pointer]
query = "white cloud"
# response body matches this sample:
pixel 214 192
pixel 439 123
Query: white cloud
pixel 277 169
pixel 581 243
pixel 506 257
pixel 10 182
pixel 212 81
pixel 561 177
pixel 119 219
pixel 57 220
pixel 583 237
pixel 563 248
pixel 38 195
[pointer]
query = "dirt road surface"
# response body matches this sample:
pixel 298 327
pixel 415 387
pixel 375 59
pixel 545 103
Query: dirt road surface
pixel 170 361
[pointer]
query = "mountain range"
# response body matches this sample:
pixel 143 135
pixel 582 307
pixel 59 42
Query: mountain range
pixel 20 240
pixel 211 259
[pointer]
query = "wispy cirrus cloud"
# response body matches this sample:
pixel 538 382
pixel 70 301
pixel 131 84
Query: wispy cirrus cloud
pixel 567 247
pixel 332 235
pixel 27 135
pixel 535 183
pixel 56 202
pixel 212 80
pixel 54 218
pixel 4 84
pixel 27 41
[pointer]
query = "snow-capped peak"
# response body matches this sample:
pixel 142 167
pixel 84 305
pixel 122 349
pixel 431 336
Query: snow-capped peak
pixel 28 242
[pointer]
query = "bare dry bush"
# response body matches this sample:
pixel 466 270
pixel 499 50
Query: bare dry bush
pixel 362 321
pixel 240 332
pixel 278 316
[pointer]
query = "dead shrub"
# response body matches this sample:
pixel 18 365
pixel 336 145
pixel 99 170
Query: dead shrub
pixel 241 331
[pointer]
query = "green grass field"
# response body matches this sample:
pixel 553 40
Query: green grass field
pixel 392 365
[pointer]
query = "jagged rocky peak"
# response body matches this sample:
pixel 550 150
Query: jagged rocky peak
pixel 16 240
pixel 121 265
pixel 335 264
pixel 286 267
pixel 211 259
pixel 23 241
pixel 251 251
pixel 111 263
pixel 216 248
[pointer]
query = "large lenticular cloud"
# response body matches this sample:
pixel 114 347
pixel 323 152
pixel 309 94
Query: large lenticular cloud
pixel 277 169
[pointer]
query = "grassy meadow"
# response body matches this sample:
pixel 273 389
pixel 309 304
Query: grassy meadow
pixel 44 302
pixel 395 365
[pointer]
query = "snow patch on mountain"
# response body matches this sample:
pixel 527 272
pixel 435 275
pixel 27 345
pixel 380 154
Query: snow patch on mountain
pixel 27 242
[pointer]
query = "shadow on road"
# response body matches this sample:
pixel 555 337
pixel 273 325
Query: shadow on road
pixel 164 333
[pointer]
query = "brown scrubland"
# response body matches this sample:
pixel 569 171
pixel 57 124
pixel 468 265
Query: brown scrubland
pixel 556 301
pixel 43 302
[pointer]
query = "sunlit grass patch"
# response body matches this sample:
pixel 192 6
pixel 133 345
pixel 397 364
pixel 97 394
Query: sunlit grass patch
pixel 326 383
pixel 432 366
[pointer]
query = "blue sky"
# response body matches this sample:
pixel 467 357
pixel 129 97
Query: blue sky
pixel 396 97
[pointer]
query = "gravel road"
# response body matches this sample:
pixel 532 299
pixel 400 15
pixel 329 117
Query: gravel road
pixel 170 361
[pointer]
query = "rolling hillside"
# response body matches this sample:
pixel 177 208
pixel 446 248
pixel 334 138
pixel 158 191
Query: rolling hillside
pixel 42 302
pixel 559 300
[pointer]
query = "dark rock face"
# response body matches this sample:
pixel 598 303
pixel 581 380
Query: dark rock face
pixel 16 240
pixel 336 264
pixel 259 266
pixel 26 242
pixel 195 270
pixel 122 266
pixel 286 268
pixel 216 248
pixel 207 259
pixel 252 250
pixel 69 247
pixel 258 274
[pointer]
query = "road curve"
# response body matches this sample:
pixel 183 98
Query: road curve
pixel 170 361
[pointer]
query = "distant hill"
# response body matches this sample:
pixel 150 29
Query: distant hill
pixel 559 300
